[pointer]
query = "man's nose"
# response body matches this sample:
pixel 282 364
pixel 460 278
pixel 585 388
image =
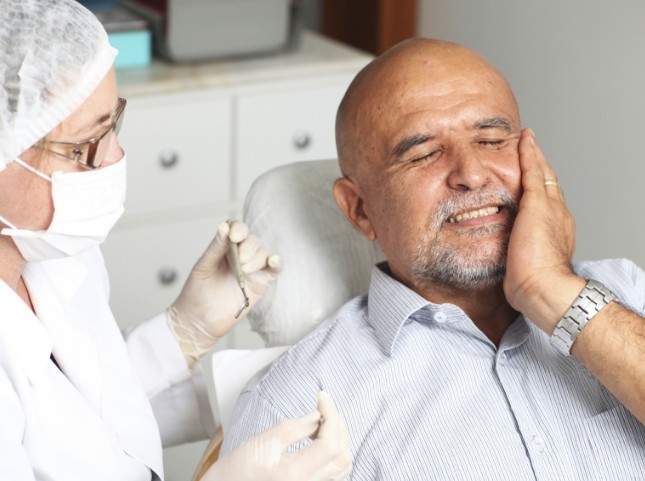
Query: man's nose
pixel 468 170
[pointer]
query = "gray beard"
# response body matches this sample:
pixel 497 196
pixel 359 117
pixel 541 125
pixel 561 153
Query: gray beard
pixel 438 262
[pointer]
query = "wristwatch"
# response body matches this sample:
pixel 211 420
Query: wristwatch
pixel 591 300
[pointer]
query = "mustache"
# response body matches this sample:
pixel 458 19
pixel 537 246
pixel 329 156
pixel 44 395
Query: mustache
pixel 460 202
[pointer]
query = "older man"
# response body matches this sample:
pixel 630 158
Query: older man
pixel 479 352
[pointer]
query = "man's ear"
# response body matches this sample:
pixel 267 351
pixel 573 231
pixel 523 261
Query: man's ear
pixel 349 198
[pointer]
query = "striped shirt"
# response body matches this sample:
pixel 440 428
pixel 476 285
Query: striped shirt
pixel 426 395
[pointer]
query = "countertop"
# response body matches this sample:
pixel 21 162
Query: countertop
pixel 313 55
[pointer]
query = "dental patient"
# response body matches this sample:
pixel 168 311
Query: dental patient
pixel 480 350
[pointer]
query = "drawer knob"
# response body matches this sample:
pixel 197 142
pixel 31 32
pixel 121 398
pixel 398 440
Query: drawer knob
pixel 168 158
pixel 301 140
pixel 167 276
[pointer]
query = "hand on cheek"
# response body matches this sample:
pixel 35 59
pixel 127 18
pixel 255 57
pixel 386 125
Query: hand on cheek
pixel 542 241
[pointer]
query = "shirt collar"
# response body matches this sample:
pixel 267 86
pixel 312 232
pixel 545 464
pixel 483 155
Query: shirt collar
pixel 54 281
pixel 391 305
pixel 52 285
pixel 24 333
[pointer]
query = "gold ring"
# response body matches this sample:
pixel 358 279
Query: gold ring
pixel 550 182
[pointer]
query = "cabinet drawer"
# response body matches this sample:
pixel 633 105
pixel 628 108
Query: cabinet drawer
pixel 179 152
pixel 284 127
pixel 148 264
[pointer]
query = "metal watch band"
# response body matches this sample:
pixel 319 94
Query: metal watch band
pixel 591 300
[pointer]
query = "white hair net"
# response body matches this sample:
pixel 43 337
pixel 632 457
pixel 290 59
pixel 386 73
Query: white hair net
pixel 326 262
pixel 54 54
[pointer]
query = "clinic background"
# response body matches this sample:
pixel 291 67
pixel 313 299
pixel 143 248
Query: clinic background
pixel 578 71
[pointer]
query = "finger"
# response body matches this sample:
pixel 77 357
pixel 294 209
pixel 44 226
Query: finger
pixel 332 425
pixel 551 184
pixel 224 228
pixel 255 257
pixel 262 260
pixel 535 169
pixel 292 430
pixel 238 231
pixel 553 188
pixel 217 249
pixel 330 452
pixel 540 158
pixel 532 171
pixel 274 263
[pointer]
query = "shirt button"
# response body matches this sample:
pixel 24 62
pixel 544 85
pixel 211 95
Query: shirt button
pixel 502 359
pixel 440 317
pixel 538 443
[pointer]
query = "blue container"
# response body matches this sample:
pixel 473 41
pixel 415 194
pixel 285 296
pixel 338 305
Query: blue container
pixel 127 32
pixel 135 48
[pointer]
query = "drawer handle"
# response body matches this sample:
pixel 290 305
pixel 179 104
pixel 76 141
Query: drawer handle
pixel 301 140
pixel 167 276
pixel 168 158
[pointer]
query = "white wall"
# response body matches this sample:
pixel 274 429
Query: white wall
pixel 578 70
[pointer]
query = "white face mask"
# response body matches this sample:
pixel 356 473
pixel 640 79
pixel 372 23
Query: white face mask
pixel 86 207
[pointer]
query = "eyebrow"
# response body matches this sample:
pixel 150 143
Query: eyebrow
pixel 501 123
pixel 409 142
pixel 103 119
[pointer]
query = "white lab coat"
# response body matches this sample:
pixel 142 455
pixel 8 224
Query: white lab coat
pixel 104 413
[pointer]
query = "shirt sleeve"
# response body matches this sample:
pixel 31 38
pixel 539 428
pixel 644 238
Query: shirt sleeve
pixel 623 277
pixel 178 395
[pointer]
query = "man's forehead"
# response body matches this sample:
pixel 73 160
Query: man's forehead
pixel 449 103
pixel 417 77
pixel 403 90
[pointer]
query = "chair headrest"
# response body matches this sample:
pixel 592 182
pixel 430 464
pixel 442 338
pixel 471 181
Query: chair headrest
pixel 326 262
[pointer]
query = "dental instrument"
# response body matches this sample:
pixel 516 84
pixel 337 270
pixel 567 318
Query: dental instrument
pixel 237 269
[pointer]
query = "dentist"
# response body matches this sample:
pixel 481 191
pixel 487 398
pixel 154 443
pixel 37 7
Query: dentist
pixel 78 400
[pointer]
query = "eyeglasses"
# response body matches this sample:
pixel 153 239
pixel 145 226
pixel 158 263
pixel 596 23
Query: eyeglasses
pixel 90 153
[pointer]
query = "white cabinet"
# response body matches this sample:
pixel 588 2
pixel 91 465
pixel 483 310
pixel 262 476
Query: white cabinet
pixel 174 143
pixel 196 137
pixel 285 126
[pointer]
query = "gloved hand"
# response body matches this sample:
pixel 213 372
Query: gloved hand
pixel 205 309
pixel 263 458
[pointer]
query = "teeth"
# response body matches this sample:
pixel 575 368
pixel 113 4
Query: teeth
pixel 474 214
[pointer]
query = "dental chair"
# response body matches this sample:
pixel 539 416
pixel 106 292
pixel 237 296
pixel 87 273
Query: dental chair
pixel 326 262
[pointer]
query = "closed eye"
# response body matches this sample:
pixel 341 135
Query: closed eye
pixel 494 144
pixel 491 142
pixel 424 158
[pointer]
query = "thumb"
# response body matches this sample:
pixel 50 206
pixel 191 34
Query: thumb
pixel 329 455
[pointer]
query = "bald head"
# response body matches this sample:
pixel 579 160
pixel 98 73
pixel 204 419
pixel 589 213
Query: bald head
pixel 391 84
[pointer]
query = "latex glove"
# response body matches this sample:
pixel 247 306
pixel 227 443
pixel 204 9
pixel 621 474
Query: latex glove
pixel 205 309
pixel 263 458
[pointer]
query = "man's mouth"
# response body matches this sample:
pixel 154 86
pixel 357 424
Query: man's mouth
pixel 473 214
